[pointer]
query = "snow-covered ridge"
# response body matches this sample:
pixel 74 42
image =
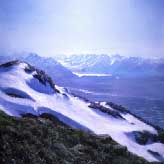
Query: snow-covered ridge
pixel 25 89
pixel 58 73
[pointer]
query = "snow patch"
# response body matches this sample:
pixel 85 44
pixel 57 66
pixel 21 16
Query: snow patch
pixel 92 74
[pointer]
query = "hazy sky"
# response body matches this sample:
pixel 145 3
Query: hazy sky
pixel 49 27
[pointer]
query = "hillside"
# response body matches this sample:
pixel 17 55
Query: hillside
pixel 46 140
pixel 25 89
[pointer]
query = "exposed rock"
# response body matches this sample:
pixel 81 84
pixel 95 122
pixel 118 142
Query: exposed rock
pixel 103 109
pixel 144 137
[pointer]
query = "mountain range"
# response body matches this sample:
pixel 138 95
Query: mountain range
pixel 114 64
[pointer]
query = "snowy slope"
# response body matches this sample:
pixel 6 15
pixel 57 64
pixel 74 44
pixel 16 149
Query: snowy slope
pixel 25 89
pixel 58 72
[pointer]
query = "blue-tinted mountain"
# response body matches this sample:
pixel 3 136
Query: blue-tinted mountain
pixel 115 64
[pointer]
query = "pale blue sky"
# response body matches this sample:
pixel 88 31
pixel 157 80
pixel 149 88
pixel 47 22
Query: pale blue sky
pixel 49 27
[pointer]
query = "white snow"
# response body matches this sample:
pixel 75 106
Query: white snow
pixel 75 109
pixel 92 74
pixel 106 106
